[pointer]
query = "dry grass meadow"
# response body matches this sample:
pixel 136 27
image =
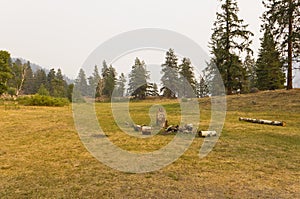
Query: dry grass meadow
pixel 41 155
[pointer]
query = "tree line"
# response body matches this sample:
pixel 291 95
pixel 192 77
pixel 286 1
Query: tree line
pixel 178 80
pixel 17 78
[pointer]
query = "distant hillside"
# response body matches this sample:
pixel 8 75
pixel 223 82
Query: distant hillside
pixel 36 67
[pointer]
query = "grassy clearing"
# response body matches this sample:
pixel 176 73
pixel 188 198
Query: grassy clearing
pixel 42 156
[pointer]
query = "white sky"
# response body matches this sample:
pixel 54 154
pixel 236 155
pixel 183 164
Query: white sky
pixel 62 33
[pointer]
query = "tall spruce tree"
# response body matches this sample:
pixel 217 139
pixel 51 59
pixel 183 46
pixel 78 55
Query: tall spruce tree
pixel 29 82
pixel 187 78
pixel 202 87
pixel 109 80
pixel 81 85
pixel 170 79
pixel 250 66
pixel 94 81
pixel 230 38
pixel 269 68
pixel 283 16
pixel 5 70
pixel 59 85
pixel 121 85
pixel 39 78
pixel 50 81
pixel 152 89
pixel 138 80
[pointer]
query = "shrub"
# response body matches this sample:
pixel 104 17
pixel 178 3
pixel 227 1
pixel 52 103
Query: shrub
pixel 11 91
pixel 254 90
pixel 42 100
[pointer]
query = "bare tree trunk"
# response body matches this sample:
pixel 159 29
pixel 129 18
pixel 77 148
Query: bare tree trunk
pixel 290 49
pixel 24 69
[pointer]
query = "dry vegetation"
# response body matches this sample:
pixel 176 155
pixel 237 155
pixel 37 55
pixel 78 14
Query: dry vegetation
pixel 41 155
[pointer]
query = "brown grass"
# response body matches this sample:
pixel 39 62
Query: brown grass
pixel 41 155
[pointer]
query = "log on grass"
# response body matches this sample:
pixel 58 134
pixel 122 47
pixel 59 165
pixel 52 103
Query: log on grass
pixel 146 130
pixel 207 133
pixel 260 121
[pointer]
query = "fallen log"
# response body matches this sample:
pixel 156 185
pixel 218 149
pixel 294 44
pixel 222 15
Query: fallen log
pixel 146 130
pixel 259 121
pixel 207 133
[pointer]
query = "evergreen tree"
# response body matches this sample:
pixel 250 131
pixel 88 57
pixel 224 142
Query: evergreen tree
pixel 109 81
pixel 50 81
pixel 170 78
pixel 5 70
pixel 104 71
pixel 94 81
pixel 121 85
pixel 187 79
pixel 29 82
pixel 59 85
pixel 81 85
pixel 138 80
pixel 283 17
pixel 39 78
pixel 269 68
pixel 249 65
pixel 230 38
pixel 43 90
pixel 202 90
pixel 70 92
pixel 152 89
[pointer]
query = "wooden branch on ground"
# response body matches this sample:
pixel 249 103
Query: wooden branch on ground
pixel 259 121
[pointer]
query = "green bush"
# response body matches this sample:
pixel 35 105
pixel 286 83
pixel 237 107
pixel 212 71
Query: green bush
pixel 42 100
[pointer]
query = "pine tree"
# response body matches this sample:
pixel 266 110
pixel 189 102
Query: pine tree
pixel 138 80
pixel 94 81
pixel 81 83
pixel 230 38
pixel 43 90
pixel 187 79
pixel 269 68
pixel 283 17
pixel 202 90
pixel 28 88
pixel 109 80
pixel 170 79
pixel 5 70
pixel 59 85
pixel 250 66
pixel 152 89
pixel 39 78
pixel 50 81
pixel 121 85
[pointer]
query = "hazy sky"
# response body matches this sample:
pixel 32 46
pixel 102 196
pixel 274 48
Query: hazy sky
pixel 62 33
